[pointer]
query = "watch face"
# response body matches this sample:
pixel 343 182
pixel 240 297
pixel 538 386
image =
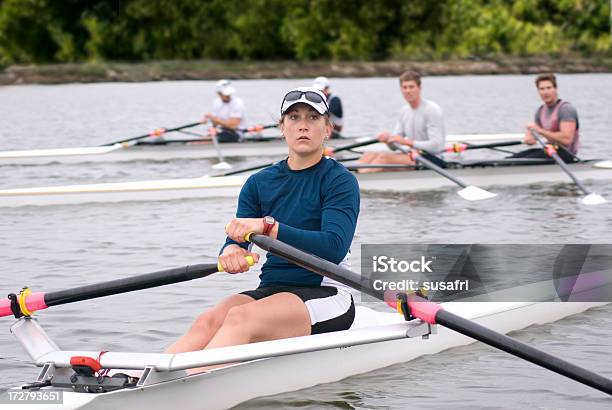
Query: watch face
pixel 269 220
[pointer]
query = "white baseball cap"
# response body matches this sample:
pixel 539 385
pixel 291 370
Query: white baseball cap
pixel 320 83
pixel 307 95
pixel 225 87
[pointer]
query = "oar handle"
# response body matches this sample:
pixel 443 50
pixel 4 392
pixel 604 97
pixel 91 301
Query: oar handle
pixel 249 259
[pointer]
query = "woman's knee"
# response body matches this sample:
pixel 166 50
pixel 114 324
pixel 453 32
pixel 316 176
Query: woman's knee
pixel 209 320
pixel 237 316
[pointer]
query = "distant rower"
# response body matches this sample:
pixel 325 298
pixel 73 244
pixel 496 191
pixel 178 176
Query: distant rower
pixel 556 120
pixel 334 103
pixel 227 113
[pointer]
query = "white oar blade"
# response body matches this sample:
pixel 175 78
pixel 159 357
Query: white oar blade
pixel 474 193
pixel 603 164
pixel 222 165
pixel 593 199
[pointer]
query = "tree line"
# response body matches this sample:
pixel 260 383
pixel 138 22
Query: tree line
pixel 52 31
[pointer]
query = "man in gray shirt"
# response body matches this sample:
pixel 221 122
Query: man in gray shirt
pixel 420 127
pixel 556 120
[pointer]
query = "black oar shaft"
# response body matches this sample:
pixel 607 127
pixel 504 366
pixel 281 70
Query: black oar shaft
pixel 267 164
pixel 255 128
pixel 522 350
pixel 444 318
pixel 242 170
pixel 314 264
pixel 561 163
pixel 428 164
pixel 441 171
pixel 492 145
pixel 354 145
pixel 193 124
pixel 149 280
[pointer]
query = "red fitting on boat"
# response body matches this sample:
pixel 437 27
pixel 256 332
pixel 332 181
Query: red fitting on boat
pixel 550 149
pixel 158 132
pixel 87 366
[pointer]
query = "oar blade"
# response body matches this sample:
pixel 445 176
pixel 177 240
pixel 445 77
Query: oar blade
pixel 474 193
pixel 593 199
pixel 607 164
pixel 222 166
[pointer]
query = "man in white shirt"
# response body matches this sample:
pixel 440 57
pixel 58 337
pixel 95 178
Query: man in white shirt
pixel 334 103
pixel 227 113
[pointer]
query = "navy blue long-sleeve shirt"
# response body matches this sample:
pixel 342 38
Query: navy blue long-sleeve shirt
pixel 317 210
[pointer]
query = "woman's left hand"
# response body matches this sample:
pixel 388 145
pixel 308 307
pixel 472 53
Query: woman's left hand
pixel 239 227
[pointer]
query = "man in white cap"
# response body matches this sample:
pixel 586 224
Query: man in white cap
pixel 334 102
pixel 227 113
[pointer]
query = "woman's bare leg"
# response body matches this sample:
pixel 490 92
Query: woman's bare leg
pixel 206 325
pixel 275 317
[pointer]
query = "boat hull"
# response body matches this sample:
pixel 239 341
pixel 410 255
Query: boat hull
pixel 127 153
pixel 211 187
pixel 229 386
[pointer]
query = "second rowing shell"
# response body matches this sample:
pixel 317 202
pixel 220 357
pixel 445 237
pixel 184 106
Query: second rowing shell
pixel 165 150
pixel 214 187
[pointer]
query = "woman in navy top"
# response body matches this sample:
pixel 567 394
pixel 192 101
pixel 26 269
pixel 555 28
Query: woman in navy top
pixel 308 201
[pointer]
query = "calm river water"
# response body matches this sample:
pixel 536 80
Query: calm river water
pixel 55 247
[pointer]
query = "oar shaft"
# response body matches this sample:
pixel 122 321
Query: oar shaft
pixel 149 280
pixel 193 124
pixel 433 313
pixel 314 264
pixel 428 164
pixel 256 128
pixel 38 301
pixel 242 170
pixel 522 350
pixel 493 145
pixel 560 162
pixel 355 145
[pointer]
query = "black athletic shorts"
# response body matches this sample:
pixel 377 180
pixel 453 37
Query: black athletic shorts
pixel 331 309
pixel 565 155
pixel 227 135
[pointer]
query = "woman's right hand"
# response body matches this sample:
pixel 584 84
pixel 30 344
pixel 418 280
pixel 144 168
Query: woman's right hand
pixel 233 259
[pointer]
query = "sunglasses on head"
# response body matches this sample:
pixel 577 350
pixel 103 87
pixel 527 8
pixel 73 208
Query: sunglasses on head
pixel 309 95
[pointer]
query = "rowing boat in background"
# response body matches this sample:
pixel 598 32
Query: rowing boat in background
pixel 482 173
pixel 169 149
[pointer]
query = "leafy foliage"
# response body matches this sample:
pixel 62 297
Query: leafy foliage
pixel 47 31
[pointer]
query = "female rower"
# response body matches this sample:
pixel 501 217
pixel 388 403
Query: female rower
pixel 308 201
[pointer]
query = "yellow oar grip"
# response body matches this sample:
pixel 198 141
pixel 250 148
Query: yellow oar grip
pixel 23 295
pixel 249 259
pixel 247 237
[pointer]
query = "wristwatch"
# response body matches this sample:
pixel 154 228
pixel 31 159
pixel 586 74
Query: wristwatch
pixel 269 223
